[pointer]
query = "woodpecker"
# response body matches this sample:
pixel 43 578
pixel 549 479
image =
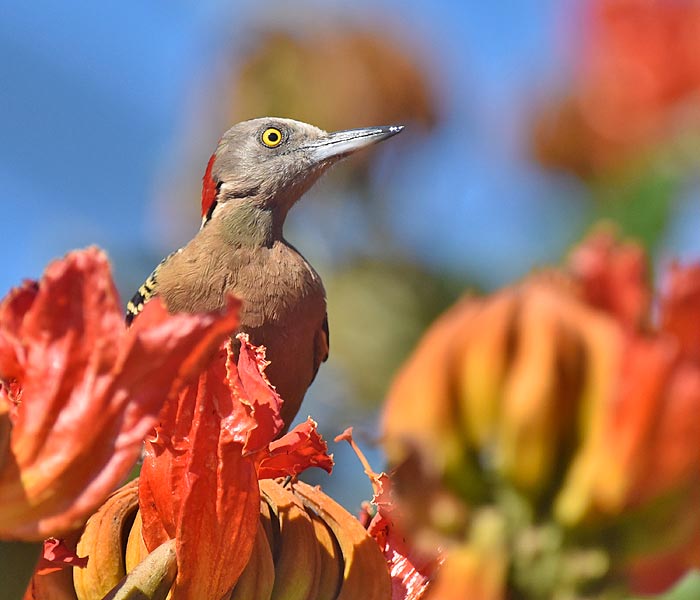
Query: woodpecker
pixel 258 172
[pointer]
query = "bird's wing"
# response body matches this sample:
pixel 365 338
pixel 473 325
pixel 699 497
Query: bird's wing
pixel 327 339
pixel 139 299
pixel 147 290
pixel 321 346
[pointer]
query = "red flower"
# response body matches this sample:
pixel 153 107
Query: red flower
pixel 199 481
pixel 78 391
pixel 636 84
pixel 646 429
pixel 640 59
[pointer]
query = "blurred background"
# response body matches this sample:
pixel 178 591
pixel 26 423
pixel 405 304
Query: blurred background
pixel 527 122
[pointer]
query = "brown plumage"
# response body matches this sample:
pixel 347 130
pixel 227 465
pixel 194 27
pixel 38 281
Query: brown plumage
pixel 259 170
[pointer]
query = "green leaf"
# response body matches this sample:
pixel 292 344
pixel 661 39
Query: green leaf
pixel 640 202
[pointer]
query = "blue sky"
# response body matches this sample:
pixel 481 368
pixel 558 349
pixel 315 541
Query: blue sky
pixel 95 98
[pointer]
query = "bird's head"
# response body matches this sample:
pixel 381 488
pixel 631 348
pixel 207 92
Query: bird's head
pixel 267 164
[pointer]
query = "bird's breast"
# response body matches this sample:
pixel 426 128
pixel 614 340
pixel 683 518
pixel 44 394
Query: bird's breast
pixel 284 305
pixel 277 285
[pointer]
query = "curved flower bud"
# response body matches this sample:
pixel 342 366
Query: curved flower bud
pixel 321 552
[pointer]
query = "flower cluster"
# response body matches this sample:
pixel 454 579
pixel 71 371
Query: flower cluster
pixel 543 444
pixel 635 84
pixel 79 395
pixel 78 391
pixel 547 435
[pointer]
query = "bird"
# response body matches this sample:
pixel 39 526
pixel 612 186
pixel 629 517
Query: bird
pixel 259 170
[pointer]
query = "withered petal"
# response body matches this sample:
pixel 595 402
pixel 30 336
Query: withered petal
pixel 296 451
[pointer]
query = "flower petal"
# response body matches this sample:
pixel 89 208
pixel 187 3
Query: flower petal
pixel 90 390
pixel 301 448
pixel 680 308
pixel 253 389
pixel 12 311
pixel 199 477
pixel 411 573
pixel 197 486
pixel 613 276
pixel 57 553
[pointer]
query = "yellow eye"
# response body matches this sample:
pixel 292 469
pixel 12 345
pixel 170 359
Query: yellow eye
pixel 272 137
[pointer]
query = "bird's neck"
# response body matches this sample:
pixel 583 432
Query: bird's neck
pixel 249 225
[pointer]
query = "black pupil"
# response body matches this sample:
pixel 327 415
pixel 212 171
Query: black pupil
pixel 273 136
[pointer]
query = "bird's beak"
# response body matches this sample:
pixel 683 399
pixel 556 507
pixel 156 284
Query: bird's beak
pixel 339 144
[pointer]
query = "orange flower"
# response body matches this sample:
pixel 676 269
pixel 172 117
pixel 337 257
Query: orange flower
pixel 199 481
pixel 645 427
pixel 640 59
pixel 637 81
pixel 78 392
pixel 562 406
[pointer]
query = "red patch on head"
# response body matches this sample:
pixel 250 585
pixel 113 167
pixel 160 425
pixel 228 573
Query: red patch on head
pixel 208 187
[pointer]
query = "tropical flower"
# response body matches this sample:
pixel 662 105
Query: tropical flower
pixel 304 543
pixel 199 524
pixel 546 436
pixel 79 392
pixel 635 83
pixel 199 480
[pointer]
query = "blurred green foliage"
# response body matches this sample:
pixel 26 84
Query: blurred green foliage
pixel 378 309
